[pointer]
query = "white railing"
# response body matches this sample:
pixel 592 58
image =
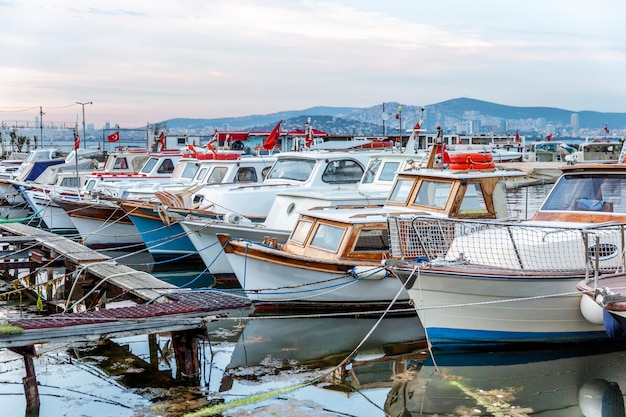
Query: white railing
pixel 518 246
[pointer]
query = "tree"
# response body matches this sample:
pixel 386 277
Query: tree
pixel 18 141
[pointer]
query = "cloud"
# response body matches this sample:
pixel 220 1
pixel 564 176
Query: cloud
pixel 210 59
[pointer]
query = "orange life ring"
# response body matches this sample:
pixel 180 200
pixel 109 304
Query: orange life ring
pixel 468 158
pixel 465 166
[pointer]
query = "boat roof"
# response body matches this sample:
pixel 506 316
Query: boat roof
pixel 464 174
pixel 590 166
pixel 355 214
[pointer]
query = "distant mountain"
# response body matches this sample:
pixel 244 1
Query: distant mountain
pixel 456 115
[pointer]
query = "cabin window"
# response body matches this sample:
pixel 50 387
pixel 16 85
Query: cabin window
pixel 217 175
pixel 120 163
pixel 401 191
pixel 301 231
pixel 167 167
pixel 265 171
pixel 342 171
pixel 372 240
pixel 433 193
pixel 201 174
pixel 90 185
pixel 246 174
pixel 291 169
pixel 473 200
pixel 149 165
pixel 389 171
pixel 371 171
pixel 189 170
pixel 69 182
pixel 588 193
pixel 327 237
pixel 181 141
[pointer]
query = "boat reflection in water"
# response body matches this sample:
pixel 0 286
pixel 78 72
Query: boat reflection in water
pixel 322 342
pixel 563 382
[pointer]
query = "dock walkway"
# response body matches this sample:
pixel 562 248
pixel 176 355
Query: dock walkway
pixel 163 307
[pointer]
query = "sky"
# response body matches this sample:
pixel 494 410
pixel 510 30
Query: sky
pixel 142 62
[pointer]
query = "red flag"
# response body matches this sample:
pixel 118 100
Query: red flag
pixel 271 140
pixel 76 141
pixel 606 129
pixel 517 136
pixel 549 137
pixel 114 137
pixel 418 125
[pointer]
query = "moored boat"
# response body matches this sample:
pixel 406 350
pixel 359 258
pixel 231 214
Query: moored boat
pixel 333 256
pixel 478 283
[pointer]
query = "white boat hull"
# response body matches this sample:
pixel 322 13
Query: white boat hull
pixel 458 308
pixel 265 281
pixel 96 233
pixel 203 238
pixel 53 216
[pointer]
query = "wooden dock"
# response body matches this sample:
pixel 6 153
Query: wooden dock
pixel 92 277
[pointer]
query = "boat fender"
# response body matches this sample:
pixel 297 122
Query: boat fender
pixel 600 397
pixel 235 218
pixel 367 272
pixel 592 312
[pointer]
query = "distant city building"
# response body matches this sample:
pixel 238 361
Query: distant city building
pixel 573 121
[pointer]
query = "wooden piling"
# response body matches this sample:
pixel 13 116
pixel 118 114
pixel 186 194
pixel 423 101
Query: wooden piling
pixel 31 390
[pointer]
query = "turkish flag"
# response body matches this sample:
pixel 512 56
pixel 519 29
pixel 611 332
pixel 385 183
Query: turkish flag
pixel 114 137
pixel 76 141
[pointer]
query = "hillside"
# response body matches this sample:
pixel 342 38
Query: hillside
pixel 456 115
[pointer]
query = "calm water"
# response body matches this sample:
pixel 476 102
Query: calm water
pixel 317 366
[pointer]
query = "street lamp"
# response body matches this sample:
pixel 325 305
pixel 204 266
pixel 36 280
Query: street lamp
pixel 83 104
pixel 400 121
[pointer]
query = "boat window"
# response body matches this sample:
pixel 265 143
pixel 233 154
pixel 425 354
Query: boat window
pixel 291 169
pixel 342 171
pixel 189 170
pixel 473 201
pixel 371 171
pixel 138 162
pixel 246 174
pixel 69 182
pixel 588 193
pixel 389 171
pixel 301 231
pixel 265 171
pixel 201 174
pixel 433 193
pixel 217 175
pixel 90 184
pixel 327 237
pixel 372 240
pixel 167 167
pixel 149 165
pixel 401 191
pixel 120 163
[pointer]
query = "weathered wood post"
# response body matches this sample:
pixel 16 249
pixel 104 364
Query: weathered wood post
pixel 31 390
pixel 186 353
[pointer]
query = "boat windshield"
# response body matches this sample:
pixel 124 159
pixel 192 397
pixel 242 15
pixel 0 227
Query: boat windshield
pixel 401 191
pixel 433 193
pixel 371 171
pixel 473 201
pixel 372 240
pixel 592 192
pixel 327 237
pixel 149 165
pixel 291 169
